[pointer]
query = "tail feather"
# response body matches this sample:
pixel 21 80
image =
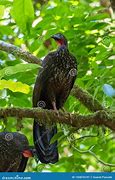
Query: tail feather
pixel 46 152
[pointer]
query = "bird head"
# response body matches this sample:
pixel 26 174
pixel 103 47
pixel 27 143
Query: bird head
pixel 60 39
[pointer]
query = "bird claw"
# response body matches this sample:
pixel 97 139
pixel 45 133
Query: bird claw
pixel 57 112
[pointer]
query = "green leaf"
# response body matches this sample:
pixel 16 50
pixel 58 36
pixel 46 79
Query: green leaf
pixel 10 70
pixel 96 91
pixel 14 86
pixel 5 30
pixel 2 8
pixel 5 2
pixel 23 13
pixel 56 137
pixel 3 102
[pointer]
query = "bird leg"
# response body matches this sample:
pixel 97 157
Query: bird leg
pixel 55 108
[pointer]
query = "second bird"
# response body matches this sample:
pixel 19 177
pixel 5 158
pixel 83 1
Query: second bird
pixel 53 85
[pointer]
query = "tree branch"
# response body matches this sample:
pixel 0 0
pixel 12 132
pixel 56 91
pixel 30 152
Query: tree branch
pixel 86 99
pixel 18 52
pixel 83 96
pixel 98 118
pixel 93 154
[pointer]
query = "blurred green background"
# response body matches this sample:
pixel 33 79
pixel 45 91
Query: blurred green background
pixel 91 36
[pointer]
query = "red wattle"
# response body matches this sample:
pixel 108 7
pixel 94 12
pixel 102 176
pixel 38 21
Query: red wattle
pixel 27 153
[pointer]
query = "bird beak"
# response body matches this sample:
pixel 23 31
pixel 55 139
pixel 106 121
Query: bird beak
pixel 56 37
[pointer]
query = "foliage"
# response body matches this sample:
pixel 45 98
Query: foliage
pixel 91 40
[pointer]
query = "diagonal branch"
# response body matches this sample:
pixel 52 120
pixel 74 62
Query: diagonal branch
pixel 98 118
pixel 86 99
pixel 18 52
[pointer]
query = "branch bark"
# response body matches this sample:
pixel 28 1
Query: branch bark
pixel 86 99
pixel 18 52
pixel 98 118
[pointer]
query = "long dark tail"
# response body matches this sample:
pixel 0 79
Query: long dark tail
pixel 46 152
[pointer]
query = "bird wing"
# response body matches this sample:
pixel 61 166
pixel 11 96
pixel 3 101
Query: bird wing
pixel 44 74
pixel 65 93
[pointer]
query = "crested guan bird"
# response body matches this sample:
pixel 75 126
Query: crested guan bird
pixel 53 85
pixel 14 152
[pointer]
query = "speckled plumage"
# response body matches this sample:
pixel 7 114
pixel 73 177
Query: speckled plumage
pixel 56 75
pixel 53 84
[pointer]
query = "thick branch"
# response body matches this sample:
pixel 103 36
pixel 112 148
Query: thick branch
pixel 86 99
pixel 18 52
pixel 48 117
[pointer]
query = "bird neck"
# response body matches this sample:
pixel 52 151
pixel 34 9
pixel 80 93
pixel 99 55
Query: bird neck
pixel 63 47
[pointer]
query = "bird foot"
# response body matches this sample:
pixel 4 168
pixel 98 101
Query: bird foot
pixel 57 112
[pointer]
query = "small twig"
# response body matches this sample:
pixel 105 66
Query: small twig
pixel 92 153
pixel 82 137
